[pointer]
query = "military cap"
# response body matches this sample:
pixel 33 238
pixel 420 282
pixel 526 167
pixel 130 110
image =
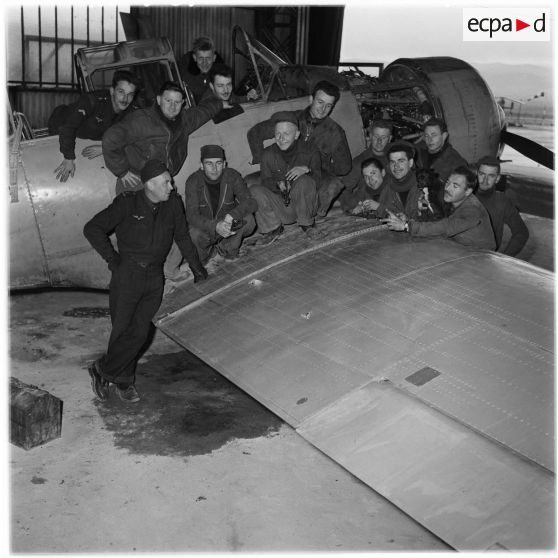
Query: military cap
pixel 285 116
pixel 152 168
pixel 212 152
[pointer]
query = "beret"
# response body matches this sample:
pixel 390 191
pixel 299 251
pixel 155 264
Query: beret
pixel 285 116
pixel 212 152
pixel 152 168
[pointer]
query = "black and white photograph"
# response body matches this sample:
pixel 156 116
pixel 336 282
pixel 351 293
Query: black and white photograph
pixel 280 278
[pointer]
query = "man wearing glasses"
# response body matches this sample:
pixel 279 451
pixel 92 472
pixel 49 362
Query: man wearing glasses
pixel 468 223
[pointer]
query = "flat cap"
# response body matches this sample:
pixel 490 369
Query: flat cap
pixel 285 116
pixel 212 152
pixel 152 168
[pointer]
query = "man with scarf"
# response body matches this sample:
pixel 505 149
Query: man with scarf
pixel 318 128
pixel 400 193
pixel 290 169
pixel 366 195
pixel 468 222
pixel 501 209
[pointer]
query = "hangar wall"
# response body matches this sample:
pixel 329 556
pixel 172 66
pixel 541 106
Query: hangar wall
pixel 183 24
pixel 299 34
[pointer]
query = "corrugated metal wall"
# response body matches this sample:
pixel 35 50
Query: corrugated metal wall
pixel 38 105
pixel 184 24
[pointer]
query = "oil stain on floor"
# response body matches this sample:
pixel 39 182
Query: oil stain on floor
pixel 187 408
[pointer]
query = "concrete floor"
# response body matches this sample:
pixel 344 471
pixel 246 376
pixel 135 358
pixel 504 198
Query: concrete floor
pixel 197 465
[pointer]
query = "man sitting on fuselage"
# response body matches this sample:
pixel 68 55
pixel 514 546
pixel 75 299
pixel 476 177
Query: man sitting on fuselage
pixel 328 138
pixel 365 197
pixel 221 83
pixel 435 152
pixel 380 137
pixel 287 190
pixel 400 193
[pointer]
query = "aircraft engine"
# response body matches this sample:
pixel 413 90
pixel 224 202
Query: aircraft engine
pixel 411 90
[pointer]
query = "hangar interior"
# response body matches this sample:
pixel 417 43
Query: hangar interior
pixel 43 39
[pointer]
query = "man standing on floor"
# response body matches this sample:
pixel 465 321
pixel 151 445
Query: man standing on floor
pixel 145 222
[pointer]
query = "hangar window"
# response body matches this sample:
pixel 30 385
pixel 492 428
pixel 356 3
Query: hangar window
pixel 43 40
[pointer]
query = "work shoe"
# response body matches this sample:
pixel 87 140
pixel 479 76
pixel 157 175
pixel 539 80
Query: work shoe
pixel 128 394
pixel 271 236
pixel 98 384
pixel 229 256
pixel 310 231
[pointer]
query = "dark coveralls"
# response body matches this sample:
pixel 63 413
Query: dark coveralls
pixel 197 82
pixel 88 118
pixel 144 233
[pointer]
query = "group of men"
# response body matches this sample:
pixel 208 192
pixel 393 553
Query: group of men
pixel 302 173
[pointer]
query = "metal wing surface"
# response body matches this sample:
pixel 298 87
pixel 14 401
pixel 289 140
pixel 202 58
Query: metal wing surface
pixel 423 368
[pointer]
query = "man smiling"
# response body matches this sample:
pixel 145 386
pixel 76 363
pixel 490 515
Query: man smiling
pixel 221 83
pixel 89 118
pixel 160 131
pixel 468 223
pixel 287 191
pixel 400 193
pixel 328 138
pixel 145 222
pixel 380 133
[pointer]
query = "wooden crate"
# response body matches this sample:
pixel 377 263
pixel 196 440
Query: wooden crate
pixel 35 415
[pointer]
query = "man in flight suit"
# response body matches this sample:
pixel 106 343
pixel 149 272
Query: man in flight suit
pixel 146 222
pixel 89 117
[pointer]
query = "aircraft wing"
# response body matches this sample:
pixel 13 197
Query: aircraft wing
pixel 423 368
